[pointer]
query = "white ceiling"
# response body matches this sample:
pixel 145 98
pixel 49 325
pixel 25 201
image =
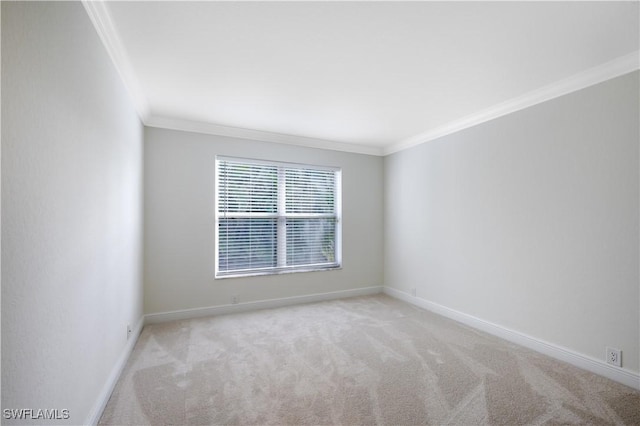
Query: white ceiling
pixel 362 76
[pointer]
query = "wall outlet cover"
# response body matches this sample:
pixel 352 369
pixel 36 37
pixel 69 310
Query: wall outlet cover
pixel 614 357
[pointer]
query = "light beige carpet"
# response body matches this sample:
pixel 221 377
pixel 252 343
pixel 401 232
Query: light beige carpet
pixel 359 361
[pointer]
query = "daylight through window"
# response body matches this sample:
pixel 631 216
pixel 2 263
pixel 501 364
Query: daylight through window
pixel 276 217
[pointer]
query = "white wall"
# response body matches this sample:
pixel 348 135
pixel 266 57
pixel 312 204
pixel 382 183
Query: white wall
pixel 179 222
pixel 529 221
pixel 71 211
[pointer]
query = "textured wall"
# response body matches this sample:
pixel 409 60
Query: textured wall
pixel 72 206
pixel 529 221
pixel 179 222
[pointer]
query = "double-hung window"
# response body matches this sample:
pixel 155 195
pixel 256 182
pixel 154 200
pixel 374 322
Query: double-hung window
pixel 274 217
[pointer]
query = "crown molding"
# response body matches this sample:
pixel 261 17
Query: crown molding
pixel 237 132
pixel 101 19
pixel 608 70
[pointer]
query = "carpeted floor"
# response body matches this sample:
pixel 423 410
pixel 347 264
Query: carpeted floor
pixel 359 361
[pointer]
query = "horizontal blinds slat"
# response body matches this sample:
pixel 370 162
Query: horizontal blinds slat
pixel 310 241
pixel 310 191
pixel 248 216
pixel 246 244
pixel 244 187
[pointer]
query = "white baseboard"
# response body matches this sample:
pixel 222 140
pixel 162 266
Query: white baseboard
pixel 103 399
pixel 101 403
pixel 254 306
pixel 585 362
pixel 623 376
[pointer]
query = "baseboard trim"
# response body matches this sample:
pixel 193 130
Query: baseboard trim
pixel 110 384
pixel 257 305
pixel 579 360
pixel 94 416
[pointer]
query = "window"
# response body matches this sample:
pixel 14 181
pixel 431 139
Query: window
pixel 276 217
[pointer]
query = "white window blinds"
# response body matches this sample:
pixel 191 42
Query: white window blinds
pixel 275 217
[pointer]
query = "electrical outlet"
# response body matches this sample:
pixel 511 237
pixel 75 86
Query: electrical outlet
pixel 234 299
pixel 128 331
pixel 614 357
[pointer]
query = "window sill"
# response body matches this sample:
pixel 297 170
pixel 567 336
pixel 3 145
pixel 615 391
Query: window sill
pixel 277 272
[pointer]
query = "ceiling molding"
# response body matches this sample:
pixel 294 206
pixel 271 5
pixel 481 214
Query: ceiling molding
pixel 101 19
pixel 103 24
pixel 258 135
pixel 608 70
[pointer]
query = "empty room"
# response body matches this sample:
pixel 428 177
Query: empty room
pixel 320 213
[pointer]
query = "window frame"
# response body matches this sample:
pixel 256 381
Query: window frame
pixel 281 217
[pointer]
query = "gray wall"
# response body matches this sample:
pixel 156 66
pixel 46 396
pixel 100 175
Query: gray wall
pixel 529 221
pixel 179 222
pixel 71 210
